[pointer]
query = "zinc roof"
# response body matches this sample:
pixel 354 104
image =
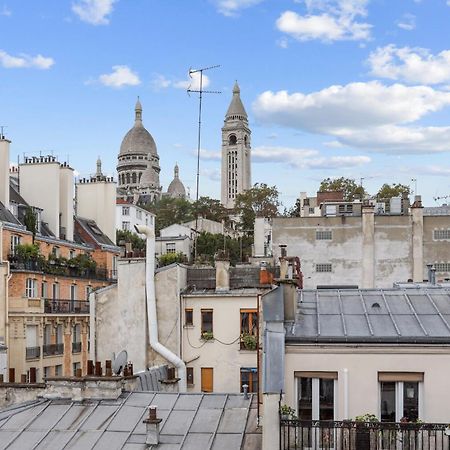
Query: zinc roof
pixel 419 315
pixel 189 422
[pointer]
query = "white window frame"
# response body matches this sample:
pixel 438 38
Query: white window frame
pixel 171 247
pixel 126 226
pixel 315 397
pixel 15 241
pixel 125 210
pixel 31 288
pixel 399 386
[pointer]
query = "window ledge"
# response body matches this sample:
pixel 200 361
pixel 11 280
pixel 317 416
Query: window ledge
pixel 188 326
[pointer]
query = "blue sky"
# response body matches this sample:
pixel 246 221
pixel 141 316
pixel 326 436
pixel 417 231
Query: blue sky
pixel 359 88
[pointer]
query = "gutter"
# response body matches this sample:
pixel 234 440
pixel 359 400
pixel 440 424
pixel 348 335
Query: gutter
pixel 151 308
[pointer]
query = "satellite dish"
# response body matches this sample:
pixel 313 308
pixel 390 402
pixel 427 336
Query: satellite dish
pixel 120 362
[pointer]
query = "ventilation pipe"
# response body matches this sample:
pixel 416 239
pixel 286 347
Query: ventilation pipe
pixel 151 308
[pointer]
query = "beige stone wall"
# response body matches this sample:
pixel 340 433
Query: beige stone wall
pixel 225 357
pixel 363 365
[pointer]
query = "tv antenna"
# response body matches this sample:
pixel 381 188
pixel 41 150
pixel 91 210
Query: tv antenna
pixel 200 91
pixel 2 131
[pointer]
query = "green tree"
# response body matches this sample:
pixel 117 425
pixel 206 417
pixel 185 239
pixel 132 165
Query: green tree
pixel 393 190
pixel 211 209
pixel 30 221
pixel 259 201
pixel 348 186
pixel 169 211
pixel 125 236
pixel 170 258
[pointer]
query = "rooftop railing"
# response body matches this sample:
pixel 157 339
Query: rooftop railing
pixel 348 435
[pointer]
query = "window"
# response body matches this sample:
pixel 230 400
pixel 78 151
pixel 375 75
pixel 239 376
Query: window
pixel 88 290
pixel 71 254
pixel 207 320
pixel 76 333
pixel 44 289
pixel 400 396
pixel 316 394
pixel 441 234
pixel 327 267
pixel 32 336
pixel 190 375
pixel 125 211
pixel 31 288
pixel 126 226
pixel 232 140
pixel 442 267
pixel 188 317
pixel 73 292
pixel 306 202
pixel 324 235
pixel 76 366
pixel 171 247
pixel 47 334
pixel 249 321
pixel 249 376
pixel 55 291
pixel 58 370
pixel 311 210
pixel 15 241
pixel 55 251
pixel 47 371
pixel 59 334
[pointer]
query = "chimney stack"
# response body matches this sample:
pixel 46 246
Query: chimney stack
pixel 152 424
pixel 222 274
pixel 4 171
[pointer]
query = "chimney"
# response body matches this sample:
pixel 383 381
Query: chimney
pixel 222 274
pixel 284 265
pixel 66 186
pixel 152 424
pixel 265 277
pixel 4 170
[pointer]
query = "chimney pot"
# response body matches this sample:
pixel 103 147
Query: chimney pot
pixel 152 424
pixel 98 368
pixel 245 388
pixel 23 378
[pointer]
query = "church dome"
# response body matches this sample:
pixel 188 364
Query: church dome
pixel 149 177
pixel 176 187
pixel 138 139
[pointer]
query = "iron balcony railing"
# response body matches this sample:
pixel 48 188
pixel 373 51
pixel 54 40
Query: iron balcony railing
pixel 33 352
pixel 54 268
pixel 53 349
pixel 76 347
pixel 64 306
pixel 348 435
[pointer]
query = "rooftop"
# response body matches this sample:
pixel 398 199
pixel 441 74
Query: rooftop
pixel 189 421
pixel 419 315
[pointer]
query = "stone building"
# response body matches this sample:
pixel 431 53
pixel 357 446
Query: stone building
pixel 138 162
pixel 236 151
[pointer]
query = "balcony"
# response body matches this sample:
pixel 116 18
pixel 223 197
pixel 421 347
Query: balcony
pixel 53 268
pixel 64 306
pixel 33 352
pixel 53 349
pixel 76 347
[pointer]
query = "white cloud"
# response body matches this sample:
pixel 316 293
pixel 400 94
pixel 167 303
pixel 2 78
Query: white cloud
pixel 335 162
pixel 211 174
pixel 370 116
pixel 333 144
pixel 23 61
pixel 193 82
pixel 5 11
pixel 95 12
pixel 327 20
pixel 432 170
pixel 414 65
pixel 231 8
pixel 160 82
pixel 407 22
pixel 120 76
pixel 355 105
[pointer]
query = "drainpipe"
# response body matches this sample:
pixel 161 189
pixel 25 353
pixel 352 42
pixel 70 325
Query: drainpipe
pixel 151 308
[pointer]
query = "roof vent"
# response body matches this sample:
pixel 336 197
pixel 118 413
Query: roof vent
pixel 376 305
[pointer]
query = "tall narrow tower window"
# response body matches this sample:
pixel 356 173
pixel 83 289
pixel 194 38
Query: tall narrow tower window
pixel 232 139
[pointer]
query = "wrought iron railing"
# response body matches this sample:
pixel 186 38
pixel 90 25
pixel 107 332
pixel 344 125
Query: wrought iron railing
pixel 53 349
pixel 33 352
pixel 64 306
pixel 54 268
pixel 348 435
pixel 76 347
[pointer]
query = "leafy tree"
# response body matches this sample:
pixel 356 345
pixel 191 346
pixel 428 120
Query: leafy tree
pixel 394 190
pixel 127 236
pixel 170 210
pixel 170 258
pixel 259 201
pixel 294 211
pixel 211 209
pixel 30 221
pixel 348 186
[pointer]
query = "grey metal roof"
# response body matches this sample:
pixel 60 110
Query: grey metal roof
pixel 7 216
pixel 374 316
pixel 189 421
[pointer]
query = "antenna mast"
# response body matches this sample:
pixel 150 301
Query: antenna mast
pixel 200 91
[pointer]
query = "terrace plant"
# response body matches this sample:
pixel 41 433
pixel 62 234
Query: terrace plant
pixel 249 341
pixel 207 335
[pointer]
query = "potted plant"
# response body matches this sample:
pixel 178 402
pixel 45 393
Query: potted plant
pixel 287 413
pixel 363 429
pixel 207 335
pixel 248 341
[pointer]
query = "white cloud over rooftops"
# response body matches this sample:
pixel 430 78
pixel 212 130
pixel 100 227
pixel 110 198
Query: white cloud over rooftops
pixel 120 76
pixel 24 61
pixel 94 12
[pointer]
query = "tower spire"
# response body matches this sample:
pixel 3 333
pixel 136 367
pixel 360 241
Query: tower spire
pixel 236 109
pixel 176 171
pixel 99 167
pixel 138 111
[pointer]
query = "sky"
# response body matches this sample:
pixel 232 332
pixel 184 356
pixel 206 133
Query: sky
pixel 354 88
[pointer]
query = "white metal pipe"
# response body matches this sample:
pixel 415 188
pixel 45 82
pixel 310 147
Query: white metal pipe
pixel 151 308
pixel 346 415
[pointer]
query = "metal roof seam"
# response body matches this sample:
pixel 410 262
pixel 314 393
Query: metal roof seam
pixel 317 313
pixel 390 313
pixel 415 313
pixel 365 313
pixel 341 309
pixel 218 423
pixel 437 310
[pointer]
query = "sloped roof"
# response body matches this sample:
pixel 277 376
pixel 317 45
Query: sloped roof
pixel 189 421
pixel 7 216
pixel 93 230
pixel 373 315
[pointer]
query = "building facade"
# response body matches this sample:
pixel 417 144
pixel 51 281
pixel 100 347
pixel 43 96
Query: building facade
pixel 236 151
pixel 129 215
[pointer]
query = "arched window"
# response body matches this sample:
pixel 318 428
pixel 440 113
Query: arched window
pixel 134 178
pixel 245 140
pixel 128 178
pixel 232 140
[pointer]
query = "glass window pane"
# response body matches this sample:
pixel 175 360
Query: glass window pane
pixel 305 400
pixel 411 401
pixel 387 401
pixel 326 399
